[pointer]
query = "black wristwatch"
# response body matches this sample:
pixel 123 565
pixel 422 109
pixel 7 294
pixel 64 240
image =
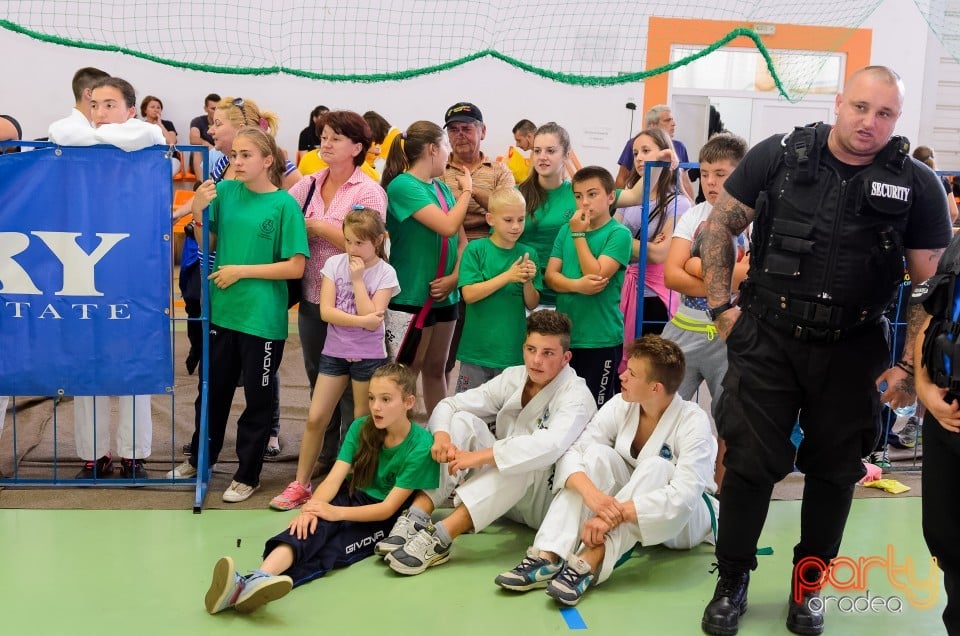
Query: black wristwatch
pixel 714 312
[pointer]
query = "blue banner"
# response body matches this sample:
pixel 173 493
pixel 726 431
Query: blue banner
pixel 85 272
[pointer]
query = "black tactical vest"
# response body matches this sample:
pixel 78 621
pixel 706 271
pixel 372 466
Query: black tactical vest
pixel 828 252
pixel 941 299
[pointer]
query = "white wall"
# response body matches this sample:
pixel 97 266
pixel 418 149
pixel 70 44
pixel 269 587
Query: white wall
pixel 36 90
pixel 595 117
pixel 900 40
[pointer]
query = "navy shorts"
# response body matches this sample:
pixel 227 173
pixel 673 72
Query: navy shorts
pixel 359 370
pixel 335 544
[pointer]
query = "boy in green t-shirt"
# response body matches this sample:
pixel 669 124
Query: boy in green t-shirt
pixel 499 280
pixel 586 269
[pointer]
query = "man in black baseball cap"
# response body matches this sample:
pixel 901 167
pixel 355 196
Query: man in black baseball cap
pixel 465 112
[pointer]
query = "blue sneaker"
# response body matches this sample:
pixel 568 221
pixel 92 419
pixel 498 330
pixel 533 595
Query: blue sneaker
pixel 572 581
pixel 533 572
pixel 224 588
pixel 259 589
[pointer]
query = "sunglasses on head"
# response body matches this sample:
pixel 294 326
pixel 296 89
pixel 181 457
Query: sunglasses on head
pixel 238 102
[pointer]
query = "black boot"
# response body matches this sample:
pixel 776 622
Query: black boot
pixel 805 617
pixel 729 603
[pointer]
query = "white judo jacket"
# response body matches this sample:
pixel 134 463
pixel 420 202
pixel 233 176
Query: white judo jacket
pixel 529 438
pixel 133 134
pixel 683 437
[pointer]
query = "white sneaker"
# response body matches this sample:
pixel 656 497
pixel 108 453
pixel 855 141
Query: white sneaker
pixel 258 590
pixel 403 530
pixel 182 471
pixel 424 550
pixel 238 492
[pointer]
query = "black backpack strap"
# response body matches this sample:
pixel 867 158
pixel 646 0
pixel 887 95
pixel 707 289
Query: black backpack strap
pixel 803 147
pixel 306 202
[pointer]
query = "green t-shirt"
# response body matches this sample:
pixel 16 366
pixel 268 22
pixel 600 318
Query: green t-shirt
pixel 406 465
pixel 494 328
pixel 415 248
pixel 542 226
pixel 597 320
pixel 254 229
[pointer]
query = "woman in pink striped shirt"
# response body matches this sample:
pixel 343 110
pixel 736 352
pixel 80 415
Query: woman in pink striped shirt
pixel 325 198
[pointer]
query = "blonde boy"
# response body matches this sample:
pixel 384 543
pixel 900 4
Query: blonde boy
pixel 499 280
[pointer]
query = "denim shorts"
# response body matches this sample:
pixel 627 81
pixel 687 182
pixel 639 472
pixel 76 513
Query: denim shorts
pixel 359 371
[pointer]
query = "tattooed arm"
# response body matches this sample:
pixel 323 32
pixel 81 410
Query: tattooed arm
pixel 727 220
pixel 921 264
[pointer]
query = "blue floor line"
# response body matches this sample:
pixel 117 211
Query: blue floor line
pixel 573 618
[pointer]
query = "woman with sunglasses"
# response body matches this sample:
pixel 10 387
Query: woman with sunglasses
pixel 232 114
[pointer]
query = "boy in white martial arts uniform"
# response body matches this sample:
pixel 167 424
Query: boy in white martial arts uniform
pixel 539 410
pixel 642 472
pixel 113 115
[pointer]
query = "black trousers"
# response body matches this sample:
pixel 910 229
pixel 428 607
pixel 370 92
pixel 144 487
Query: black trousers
pixel 771 381
pixel 598 368
pixel 190 290
pixel 233 353
pixel 941 510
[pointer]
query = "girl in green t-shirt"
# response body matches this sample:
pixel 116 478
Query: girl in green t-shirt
pixel 549 197
pixel 384 460
pixel 260 239
pixel 419 223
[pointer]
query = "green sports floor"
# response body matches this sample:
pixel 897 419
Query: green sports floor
pixel 145 572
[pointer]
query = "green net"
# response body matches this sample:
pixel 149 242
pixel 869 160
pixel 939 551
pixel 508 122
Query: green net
pixel 602 42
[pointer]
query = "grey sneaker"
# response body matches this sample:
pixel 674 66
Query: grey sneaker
pixel 424 550
pixel 532 572
pixel 572 581
pixel 911 433
pixel 403 530
pixel 260 589
pixel 224 588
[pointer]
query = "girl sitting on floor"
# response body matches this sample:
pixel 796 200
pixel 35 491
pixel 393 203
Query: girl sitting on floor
pixel 387 459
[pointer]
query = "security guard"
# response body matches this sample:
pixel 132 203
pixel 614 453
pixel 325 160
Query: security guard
pixel 938 387
pixel 835 212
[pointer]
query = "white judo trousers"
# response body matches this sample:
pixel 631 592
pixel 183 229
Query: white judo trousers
pixel 91 426
pixel 528 440
pixel 560 530
pixel 665 482
pixel 487 493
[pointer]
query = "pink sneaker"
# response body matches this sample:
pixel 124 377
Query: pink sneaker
pixel 293 496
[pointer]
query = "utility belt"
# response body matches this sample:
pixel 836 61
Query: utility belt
pixel 689 324
pixel 830 323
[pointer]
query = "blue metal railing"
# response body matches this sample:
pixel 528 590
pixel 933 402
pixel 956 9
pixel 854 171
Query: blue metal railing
pixel 200 482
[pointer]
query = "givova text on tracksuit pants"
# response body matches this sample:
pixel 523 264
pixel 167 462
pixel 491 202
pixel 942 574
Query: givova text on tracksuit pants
pixel 233 353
